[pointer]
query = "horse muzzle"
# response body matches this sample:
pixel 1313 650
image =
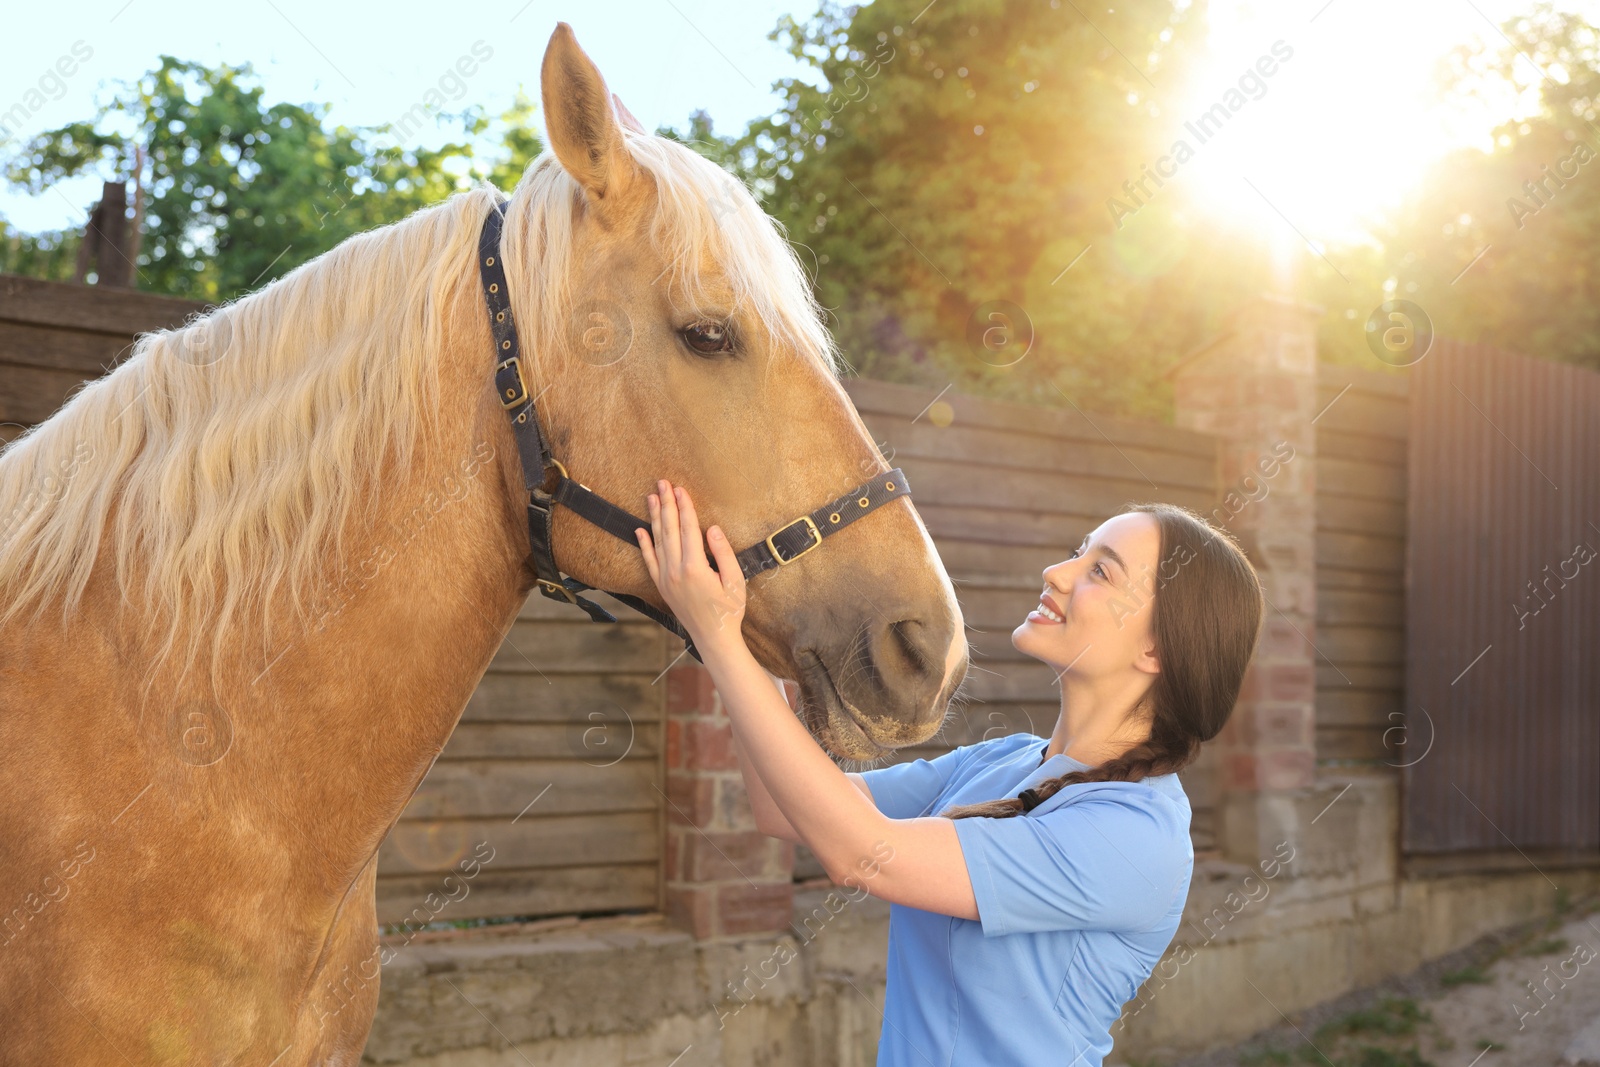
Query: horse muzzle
pixel 881 686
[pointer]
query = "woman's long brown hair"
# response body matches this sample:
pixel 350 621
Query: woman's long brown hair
pixel 1205 617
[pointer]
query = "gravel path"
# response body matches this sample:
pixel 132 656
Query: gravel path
pixel 1528 997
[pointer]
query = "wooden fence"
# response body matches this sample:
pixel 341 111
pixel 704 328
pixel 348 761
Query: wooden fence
pixel 55 336
pixel 1361 560
pixel 560 749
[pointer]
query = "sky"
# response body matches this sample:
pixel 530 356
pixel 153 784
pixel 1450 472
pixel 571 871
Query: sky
pixel 372 62
pixel 1342 128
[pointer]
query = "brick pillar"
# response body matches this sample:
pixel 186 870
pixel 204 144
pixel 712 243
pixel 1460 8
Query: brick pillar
pixel 723 876
pixel 1255 388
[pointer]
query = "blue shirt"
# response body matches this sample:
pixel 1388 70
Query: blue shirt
pixel 1077 901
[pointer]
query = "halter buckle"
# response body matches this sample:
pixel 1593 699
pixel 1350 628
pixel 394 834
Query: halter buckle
pixel 556 587
pixel 816 539
pixel 510 397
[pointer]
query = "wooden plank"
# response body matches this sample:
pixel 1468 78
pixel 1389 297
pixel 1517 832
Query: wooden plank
pixel 1018 563
pixel 1344 706
pixel 1357 744
pixel 86 354
pixel 486 788
pixel 1387 451
pixel 970 484
pixel 1333 377
pixel 503 893
pixel 550 648
pixel 1009 448
pixel 1364 645
pixel 1360 552
pixel 1341 607
pixel 1365 414
pixel 593 740
pixel 90 307
pixel 563 698
pixel 1005 526
pixel 1357 676
pixel 1382 580
pixel 1368 481
pixel 532 842
pixel 887 398
pixel 997 610
pixel 1350 514
pixel 31 395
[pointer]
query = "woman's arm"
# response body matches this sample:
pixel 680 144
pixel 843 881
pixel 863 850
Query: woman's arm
pixel 917 862
pixel 769 819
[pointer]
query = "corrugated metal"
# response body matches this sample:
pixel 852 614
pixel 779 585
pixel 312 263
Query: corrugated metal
pixel 1502 604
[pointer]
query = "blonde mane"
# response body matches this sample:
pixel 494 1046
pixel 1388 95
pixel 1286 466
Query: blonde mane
pixel 217 466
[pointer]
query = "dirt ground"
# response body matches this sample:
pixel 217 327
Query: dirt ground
pixel 1528 997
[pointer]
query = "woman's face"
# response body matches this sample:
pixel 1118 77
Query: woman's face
pixel 1093 617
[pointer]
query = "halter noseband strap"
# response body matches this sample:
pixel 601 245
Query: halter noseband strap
pixel 781 548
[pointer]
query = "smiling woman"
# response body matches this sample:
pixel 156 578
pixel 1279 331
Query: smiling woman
pixel 1029 909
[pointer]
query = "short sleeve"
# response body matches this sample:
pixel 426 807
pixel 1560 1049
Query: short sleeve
pixel 909 790
pixel 1113 860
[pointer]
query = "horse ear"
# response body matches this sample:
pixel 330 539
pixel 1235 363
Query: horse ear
pixel 579 119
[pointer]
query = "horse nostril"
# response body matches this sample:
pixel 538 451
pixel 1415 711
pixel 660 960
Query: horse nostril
pixel 911 638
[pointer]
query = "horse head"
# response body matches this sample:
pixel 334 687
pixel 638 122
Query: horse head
pixel 674 334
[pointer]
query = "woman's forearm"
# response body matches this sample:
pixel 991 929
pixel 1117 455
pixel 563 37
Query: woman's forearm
pixel 770 819
pixel 826 810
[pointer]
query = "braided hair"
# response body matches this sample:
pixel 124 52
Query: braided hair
pixel 1205 617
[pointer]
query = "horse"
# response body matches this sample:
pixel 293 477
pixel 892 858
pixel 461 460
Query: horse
pixel 250 577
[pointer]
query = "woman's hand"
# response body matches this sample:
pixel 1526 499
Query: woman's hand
pixel 709 603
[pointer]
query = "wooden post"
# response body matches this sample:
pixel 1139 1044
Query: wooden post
pixel 107 248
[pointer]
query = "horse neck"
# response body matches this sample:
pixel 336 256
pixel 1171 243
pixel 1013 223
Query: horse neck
pixel 362 704
pixel 331 721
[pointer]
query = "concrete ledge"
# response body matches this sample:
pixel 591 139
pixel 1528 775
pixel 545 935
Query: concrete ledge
pixel 633 989
pixel 1317 917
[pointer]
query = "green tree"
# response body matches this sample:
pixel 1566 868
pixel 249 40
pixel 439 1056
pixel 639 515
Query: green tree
pixel 239 192
pixel 1498 246
pixel 957 154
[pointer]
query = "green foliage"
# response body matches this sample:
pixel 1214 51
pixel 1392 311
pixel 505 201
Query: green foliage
pixel 961 153
pixel 238 192
pixel 51 255
pixel 1530 207
pixel 912 219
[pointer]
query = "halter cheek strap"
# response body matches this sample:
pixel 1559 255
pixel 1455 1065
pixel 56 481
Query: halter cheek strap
pixel 539 466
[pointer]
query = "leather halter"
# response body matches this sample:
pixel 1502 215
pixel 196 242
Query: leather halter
pixel 780 549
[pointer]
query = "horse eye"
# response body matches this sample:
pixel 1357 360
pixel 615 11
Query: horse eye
pixel 708 338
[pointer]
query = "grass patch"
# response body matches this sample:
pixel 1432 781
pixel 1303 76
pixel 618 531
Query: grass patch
pixel 1465 976
pixel 1394 1016
pixel 1545 947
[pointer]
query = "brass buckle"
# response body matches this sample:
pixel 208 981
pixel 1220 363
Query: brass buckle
pixel 522 386
pixel 816 539
pixel 566 593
